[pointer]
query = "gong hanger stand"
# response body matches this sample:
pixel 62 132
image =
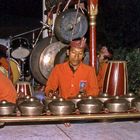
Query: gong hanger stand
pixel 31 31
pixel 8 56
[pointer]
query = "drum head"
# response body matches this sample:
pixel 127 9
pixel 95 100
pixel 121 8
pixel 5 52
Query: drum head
pixel 40 62
pixel 69 25
pixel 20 48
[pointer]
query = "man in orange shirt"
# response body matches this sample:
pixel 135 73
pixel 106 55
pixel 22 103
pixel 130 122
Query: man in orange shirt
pixel 7 90
pixel 104 56
pixel 73 76
pixel 4 62
pixel 6 67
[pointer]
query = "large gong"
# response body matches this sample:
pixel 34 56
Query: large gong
pixel 70 25
pixel 42 58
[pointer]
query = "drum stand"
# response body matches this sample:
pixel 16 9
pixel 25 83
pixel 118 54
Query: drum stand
pixel 22 63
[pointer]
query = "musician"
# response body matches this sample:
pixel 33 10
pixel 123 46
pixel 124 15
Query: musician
pixel 4 63
pixel 105 54
pixel 73 76
pixel 7 89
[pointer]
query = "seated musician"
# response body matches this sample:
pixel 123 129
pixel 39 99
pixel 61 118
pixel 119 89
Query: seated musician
pixel 7 89
pixel 105 54
pixel 4 63
pixel 73 76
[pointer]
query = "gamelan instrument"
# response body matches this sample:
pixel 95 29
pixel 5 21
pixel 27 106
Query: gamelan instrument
pixel 116 78
pixel 43 56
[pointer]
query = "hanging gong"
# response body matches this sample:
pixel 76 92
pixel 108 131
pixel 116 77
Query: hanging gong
pixel 46 62
pixel 39 64
pixel 70 25
pixel 35 56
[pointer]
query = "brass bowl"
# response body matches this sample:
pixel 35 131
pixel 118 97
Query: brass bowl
pixel 90 105
pixel 31 107
pixel 6 108
pixel 61 107
pixel 117 105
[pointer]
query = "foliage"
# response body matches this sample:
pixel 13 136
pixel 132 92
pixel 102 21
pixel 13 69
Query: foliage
pixel 132 56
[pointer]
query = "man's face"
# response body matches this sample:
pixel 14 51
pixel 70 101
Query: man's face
pixel 75 56
pixel 102 58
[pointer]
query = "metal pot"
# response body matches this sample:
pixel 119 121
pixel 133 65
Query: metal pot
pixel 129 97
pixel 136 103
pixel 6 108
pixel 61 107
pixel 90 105
pixel 117 104
pixel 31 107
pixel 104 97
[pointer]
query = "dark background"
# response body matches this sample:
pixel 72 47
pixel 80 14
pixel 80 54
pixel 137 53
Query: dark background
pixel 118 22
pixel 19 16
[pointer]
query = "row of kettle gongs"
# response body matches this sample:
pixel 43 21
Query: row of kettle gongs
pixel 31 106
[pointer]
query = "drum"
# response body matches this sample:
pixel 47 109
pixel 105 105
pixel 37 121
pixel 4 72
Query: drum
pixel 15 70
pixel 116 78
pixel 20 48
pixel 23 89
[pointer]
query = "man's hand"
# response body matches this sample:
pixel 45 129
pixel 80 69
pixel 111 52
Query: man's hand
pixel 53 93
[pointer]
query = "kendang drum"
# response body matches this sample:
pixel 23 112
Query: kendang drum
pixel 20 48
pixel 116 78
pixel 23 89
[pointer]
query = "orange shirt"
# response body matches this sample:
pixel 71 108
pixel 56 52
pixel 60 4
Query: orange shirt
pixel 7 90
pixel 69 83
pixel 101 75
pixel 4 63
